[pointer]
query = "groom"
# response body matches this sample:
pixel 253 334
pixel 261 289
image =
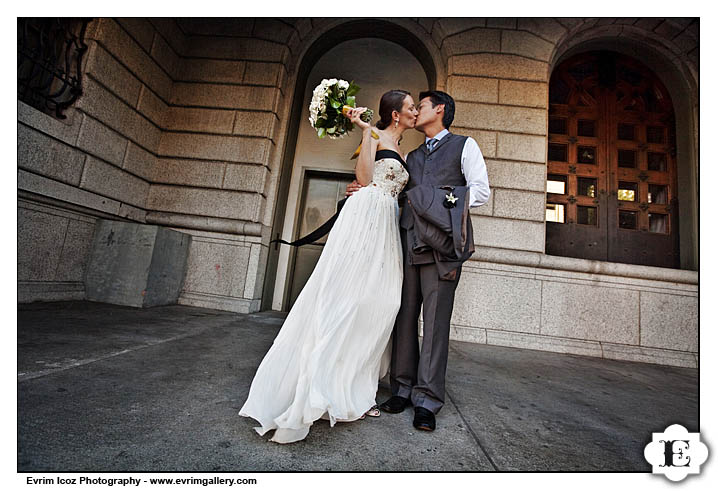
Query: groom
pixel 417 376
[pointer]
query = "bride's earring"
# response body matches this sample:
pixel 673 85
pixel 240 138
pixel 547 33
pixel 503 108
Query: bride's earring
pixel 396 123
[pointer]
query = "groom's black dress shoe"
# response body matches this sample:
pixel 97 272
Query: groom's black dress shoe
pixel 424 419
pixel 395 404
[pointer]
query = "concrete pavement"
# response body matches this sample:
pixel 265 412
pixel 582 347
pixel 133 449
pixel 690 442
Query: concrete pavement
pixel 111 388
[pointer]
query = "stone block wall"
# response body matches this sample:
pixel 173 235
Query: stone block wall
pixel 217 154
pixel 497 73
pixel 634 313
pixel 176 126
pixel 184 123
pixel 99 162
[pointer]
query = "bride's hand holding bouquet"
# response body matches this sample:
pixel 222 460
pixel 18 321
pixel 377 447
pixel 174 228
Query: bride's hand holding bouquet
pixel 354 115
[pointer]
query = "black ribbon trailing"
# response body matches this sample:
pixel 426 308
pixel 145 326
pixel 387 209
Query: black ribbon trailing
pixel 318 233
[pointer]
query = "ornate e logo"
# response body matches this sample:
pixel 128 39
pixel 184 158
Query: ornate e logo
pixel 676 453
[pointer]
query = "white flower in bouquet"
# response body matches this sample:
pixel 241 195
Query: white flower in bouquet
pixel 327 110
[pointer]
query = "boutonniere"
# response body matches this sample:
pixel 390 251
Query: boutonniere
pixel 450 201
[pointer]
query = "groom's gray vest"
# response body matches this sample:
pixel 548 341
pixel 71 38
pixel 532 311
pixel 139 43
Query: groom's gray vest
pixel 440 167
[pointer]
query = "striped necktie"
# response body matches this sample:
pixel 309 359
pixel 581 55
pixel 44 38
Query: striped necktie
pixel 430 144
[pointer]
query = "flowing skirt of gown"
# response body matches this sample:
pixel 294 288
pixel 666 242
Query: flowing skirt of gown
pixel 333 348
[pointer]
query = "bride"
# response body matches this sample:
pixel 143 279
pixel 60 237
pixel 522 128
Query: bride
pixel 333 348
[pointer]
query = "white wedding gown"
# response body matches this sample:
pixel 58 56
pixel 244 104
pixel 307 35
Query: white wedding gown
pixel 333 348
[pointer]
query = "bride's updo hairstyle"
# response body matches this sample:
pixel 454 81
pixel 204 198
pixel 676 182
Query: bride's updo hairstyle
pixel 391 101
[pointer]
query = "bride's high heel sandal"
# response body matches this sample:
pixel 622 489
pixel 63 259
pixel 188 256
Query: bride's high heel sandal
pixel 373 412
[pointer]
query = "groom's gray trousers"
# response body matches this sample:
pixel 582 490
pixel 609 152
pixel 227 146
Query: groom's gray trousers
pixel 418 374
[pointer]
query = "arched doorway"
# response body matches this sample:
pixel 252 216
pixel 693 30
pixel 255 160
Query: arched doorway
pixel 376 64
pixel 612 178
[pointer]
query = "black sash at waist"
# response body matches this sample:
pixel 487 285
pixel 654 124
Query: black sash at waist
pixel 327 226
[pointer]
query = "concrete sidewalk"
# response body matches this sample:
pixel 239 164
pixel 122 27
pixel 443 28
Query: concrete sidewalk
pixel 110 388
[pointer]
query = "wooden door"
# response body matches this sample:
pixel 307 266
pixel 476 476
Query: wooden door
pixel 611 185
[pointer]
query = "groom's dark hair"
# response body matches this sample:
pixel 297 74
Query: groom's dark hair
pixel 439 97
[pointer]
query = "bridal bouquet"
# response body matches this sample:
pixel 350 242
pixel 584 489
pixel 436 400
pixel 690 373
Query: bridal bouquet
pixel 331 100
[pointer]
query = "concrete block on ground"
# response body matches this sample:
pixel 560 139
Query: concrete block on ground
pixel 136 265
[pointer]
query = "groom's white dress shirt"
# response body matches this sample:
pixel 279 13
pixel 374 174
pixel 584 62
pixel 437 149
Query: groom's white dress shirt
pixel 474 169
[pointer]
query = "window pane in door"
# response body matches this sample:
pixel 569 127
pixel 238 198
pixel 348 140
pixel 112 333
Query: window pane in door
pixel 627 191
pixel 555 213
pixel 626 132
pixel 556 184
pixel 654 134
pixel 657 194
pixel 587 215
pixel 587 155
pixel 557 126
pixel 658 223
pixel 587 186
pixel 627 158
pixel 627 219
pixel 586 127
pixel 657 161
pixel 557 152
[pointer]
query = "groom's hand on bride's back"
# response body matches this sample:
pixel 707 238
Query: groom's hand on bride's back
pixel 353 187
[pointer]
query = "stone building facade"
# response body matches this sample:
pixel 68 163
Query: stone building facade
pixel 199 125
